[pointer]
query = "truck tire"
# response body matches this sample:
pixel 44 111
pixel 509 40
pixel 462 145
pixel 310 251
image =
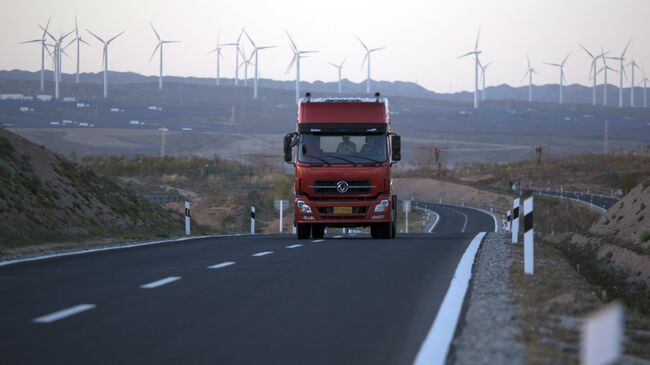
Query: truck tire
pixel 303 231
pixel 318 231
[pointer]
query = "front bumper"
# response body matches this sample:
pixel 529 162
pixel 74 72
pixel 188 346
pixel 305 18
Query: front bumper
pixel 362 212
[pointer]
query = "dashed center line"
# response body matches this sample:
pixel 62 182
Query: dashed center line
pixel 316 241
pixel 221 265
pixel 294 246
pixel 160 282
pixel 49 318
pixel 259 254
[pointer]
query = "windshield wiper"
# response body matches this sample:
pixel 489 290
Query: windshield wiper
pixel 340 158
pixel 369 159
pixel 318 158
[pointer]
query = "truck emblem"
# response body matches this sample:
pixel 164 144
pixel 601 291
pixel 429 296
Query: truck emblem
pixel 342 187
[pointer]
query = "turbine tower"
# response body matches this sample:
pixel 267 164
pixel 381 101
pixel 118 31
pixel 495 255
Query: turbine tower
pixel 645 86
pixel 529 73
pixel 632 65
pixel 42 41
pixel 483 68
pixel 256 52
pixel 367 58
pixel 475 53
pixel 236 44
pixel 219 57
pixel 297 55
pixel 79 40
pixel 604 69
pixel 622 74
pixel 105 58
pixel 160 45
pixel 592 71
pixel 339 67
pixel 245 63
pixel 562 78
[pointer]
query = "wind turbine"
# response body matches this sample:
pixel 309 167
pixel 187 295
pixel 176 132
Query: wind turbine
pixel 256 52
pixel 645 86
pixel 562 78
pixel 42 41
pixel 622 74
pixel 245 63
pixel 219 57
pixel 105 58
pixel 592 71
pixel 79 40
pixel 160 46
pixel 58 49
pixel 236 44
pixel 483 68
pixel 475 53
pixel 529 73
pixel 367 58
pixel 632 65
pixel 339 67
pixel 297 55
pixel 605 68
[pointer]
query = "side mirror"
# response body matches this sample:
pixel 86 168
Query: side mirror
pixel 286 146
pixel 396 145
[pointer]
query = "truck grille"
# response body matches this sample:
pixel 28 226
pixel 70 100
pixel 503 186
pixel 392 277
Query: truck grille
pixel 354 186
pixel 330 210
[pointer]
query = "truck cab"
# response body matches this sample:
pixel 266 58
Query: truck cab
pixel 343 150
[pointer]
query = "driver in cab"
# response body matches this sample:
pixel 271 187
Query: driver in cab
pixel 347 146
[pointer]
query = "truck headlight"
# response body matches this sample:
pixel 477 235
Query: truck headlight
pixel 381 206
pixel 303 207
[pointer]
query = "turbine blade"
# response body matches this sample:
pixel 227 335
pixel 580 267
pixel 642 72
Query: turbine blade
pixel 83 41
pixel 154 31
pixel 363 44
pixel 154 51
pixel 566 58
pixel 293 44
pixel 526 74
pixel 110 40
pixel 32 41
pixel 96 36
pixel 625 49
pixel 466 54
pixel 46 27
pixel 589 53
pixel 477 38
pixel 48 33
pixel 528 59
pixel 376 49
pixel 250 39
pixel 365 58
pixel 293 60
pixel 342 62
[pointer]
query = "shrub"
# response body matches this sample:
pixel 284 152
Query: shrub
pixel 645 236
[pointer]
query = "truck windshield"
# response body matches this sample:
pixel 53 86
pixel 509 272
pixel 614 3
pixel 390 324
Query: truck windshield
pixel 342 148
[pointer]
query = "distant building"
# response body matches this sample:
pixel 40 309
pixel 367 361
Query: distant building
pixel 11 96
pixel 69 99
pixel 44 97
pixel 24 109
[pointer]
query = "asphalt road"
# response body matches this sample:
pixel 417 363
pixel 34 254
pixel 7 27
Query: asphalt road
pixel 269 299
pixel 600 201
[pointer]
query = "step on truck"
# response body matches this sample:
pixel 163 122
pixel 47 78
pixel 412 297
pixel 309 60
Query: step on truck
pixel 342 151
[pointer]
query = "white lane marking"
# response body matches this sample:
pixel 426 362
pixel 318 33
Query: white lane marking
pixel 316 241
pixel 49 318
pixel 259 254
pixel 337 237
pixel 223 264
pixel 160 282
pixel 435 347
pixel 494 217
pixel 120 247
pixel 294 246
pixel 464 224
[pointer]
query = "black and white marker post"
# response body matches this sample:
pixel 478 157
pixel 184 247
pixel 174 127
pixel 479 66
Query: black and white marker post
pixel 529 234
pixel 187 218
pixel 252 220
pixel 515 221
pixel 509 220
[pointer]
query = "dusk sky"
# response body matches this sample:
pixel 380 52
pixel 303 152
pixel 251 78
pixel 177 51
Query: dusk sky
pixel 423 38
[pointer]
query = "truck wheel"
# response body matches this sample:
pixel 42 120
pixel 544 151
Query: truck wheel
pixel 374 231
pixel 318 231
pixel 303 231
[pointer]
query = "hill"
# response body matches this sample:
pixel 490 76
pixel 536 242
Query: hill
pixel 47 199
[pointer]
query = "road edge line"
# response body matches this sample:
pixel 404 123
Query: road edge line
pixel 436 345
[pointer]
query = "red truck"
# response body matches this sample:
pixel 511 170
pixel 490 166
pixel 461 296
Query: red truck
pixel 344 150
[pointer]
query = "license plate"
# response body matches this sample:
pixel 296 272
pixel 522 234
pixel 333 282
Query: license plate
pixel 342 210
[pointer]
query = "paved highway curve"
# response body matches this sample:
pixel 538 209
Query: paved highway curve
pixel 236 300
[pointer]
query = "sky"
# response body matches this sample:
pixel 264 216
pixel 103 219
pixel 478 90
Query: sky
pixel 422 38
